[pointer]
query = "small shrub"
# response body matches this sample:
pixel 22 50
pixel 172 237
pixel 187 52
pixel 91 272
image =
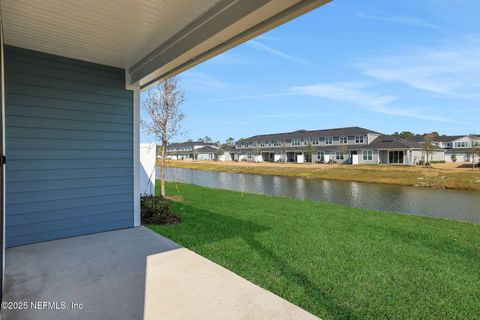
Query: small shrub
pixel 156 210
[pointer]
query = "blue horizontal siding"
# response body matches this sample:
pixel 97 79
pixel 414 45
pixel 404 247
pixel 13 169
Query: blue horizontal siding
pixel 72 135
pixel 65 104
pixel 66 204
pixel 90 226
pixel 52 215
pixel 68 174
pixel 55 164
pixel 69 145
pixel 58 113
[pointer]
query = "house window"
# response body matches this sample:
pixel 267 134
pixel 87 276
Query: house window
pixel 359 139
pixel 320 156
pixel 339 155
pixel 328 140
pixel 343 140
pixel 367 155
pixel 461 144
pixel 295 142
pixel 315 141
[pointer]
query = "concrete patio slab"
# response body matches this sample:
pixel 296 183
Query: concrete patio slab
pixel 131 274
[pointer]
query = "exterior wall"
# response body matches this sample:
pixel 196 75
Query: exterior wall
pixel 459 143
pixel 69 144
pixel 375 157
pixel 417 156
pixel 462 157
pixel 206 156
pixel 372 136
pixel 226 156
pixel 438 156
pixel 303 142
pixel 410 157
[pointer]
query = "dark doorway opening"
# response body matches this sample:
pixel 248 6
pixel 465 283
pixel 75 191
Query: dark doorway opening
pixel 396 157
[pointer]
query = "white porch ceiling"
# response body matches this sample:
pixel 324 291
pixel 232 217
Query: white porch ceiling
pixel 118 33
pixel 149 38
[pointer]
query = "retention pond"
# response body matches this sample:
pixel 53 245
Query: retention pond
pixel 451 204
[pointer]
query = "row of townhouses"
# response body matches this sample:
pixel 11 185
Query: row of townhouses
pixel 352 145
pixel 342 145
pixel 455 147
pixel 196 150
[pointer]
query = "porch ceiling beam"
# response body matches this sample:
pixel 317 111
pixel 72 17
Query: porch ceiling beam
pixel 227 24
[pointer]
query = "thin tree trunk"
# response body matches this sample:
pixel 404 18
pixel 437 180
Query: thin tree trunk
pixel 162 169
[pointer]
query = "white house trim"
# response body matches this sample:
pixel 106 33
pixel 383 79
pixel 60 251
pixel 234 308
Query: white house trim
pixel 136 157
pixel 224 26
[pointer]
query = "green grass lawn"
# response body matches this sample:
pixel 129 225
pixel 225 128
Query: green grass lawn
pixel 334 261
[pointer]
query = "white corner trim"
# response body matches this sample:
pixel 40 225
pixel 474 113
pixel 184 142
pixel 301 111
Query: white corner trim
pixel 136 156
pixel 2 151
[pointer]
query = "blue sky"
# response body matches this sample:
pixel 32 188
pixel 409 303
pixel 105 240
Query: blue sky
pixel 384 65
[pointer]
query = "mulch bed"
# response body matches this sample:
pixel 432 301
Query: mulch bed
pixel 172 220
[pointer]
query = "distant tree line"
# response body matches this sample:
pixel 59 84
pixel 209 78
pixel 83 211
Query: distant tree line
pixel 228 142
pixel 409 134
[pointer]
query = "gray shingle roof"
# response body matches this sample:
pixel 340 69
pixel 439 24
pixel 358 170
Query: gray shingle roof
pixel 452 138
pixel 444 138
pixel 392 142
pixel 191 144
pixel 299 134
pixel 206 149
pixel 228 148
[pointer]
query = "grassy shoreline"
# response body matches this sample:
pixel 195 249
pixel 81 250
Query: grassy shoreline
pixel 435 177
pixel 334 261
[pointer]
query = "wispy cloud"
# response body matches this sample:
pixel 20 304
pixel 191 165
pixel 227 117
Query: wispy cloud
pixel 293 115
pixel 252 97
pixel 405 20
pixel 278 53
pixel 198 81
pixel 356 93
pixel 450 69
pixel 359 93
pixel 229 58
pixel 270 38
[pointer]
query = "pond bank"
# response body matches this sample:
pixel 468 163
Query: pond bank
pixel 439 203
pixel 439 176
